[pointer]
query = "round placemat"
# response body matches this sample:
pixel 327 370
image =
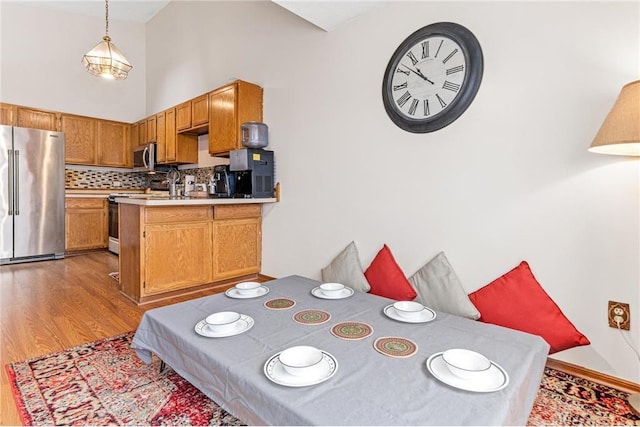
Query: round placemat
pixel 311 317
pixel 352 330
pixel 395 346
pixel 279 303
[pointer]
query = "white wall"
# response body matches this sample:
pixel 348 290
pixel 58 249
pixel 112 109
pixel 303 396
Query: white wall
pixel 41 50
pixel 509 180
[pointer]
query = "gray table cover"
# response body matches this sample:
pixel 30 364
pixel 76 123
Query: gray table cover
pixel 368 389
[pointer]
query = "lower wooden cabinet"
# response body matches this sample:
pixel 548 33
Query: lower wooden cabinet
pixel 175 249
pixel 86 223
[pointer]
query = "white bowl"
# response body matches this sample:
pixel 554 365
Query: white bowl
pixel 301 359
pixel 465 364
pixel 331 289
pixel 408 309
pixel 248 288
pixel 222 321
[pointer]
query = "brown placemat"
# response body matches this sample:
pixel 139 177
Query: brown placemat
pixel 279 303
pixel 395 346
pixel 312 317
pixel 352 330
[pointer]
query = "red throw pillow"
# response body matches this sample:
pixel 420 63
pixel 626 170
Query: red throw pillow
pixel 517 301
pixel 387 279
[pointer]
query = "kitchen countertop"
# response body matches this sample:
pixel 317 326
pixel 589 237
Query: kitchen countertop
pixel 99 192
pixel 159 200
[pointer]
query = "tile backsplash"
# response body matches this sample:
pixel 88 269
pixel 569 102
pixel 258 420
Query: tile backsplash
pixel 104 179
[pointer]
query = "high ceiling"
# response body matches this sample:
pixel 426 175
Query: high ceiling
pixel 324 14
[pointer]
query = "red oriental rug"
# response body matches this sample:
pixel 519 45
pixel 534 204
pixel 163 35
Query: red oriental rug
pixel 104 383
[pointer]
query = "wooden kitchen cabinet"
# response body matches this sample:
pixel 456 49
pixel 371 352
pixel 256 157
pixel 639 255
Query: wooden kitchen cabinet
pixel 151 129
pixel 113 144
pixel 8 114
pixel 193 116
pixel 200 111
pixel 169 250
pixel 142 133
pixel 229 107
pixel 86 223
pixel 173 147
pixel 37 119
pixel 80 139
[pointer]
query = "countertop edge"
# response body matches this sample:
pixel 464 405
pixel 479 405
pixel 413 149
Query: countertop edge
pixel 191 202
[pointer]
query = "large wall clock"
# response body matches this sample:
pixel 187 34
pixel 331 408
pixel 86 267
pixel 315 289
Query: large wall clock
pixel 432 77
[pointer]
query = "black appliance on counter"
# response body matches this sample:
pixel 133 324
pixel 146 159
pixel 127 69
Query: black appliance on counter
pixel 223 182
pixel 254 172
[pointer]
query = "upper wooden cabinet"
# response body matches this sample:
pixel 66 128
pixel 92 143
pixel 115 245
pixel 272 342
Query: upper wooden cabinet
pixel 193 116
pixel 37 119
pixel 152 129
pixel 114 148
pixel 172 146
pixel 8 114
pixel 80 139
pixel 142 133
pixel 229 107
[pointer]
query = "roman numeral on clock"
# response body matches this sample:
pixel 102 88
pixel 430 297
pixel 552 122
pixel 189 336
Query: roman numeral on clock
pixel 426 107
pixel 413 107
pixel 454 87
pixel 455 69
pixel 444 61
pixel 400 70
pixel 400 86
pixel 441 101
pixel 425 49
pixel 403 99
pixel 439 46
pixel 412 57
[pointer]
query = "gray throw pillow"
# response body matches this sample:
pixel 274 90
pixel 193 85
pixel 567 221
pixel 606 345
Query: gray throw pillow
pixel 439 288
pixel 346 269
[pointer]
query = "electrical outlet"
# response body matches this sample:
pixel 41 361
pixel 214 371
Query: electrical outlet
pixel 619 311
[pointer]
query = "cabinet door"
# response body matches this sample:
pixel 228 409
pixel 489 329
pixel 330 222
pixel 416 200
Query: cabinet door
pixel 170 134
pixel 37 119
pixel 8 114
pixel 224 122
pixel 237 247
pixel 142 132
pixel 200 111
pixel 80 139
pixel 161 138
pixel 86 224
pixel 133 135
pixel 151 129
pixel 183 116
pixel 176 256
pixel 113 144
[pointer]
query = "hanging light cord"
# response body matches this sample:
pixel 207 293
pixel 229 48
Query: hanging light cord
pixel 106 15
pixel 626 340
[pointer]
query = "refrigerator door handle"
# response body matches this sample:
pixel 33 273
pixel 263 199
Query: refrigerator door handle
pixel 10 181
pixel 17 181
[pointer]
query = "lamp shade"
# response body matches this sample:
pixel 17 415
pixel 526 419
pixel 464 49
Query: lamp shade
pixel 620 132
pixel 105 60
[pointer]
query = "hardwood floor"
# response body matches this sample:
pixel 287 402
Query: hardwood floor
pixel 52 305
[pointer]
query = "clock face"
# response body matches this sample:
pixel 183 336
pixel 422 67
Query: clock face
pixel 432 77
pixel 428 77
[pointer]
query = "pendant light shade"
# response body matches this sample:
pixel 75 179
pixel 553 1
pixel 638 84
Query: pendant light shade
pixel 620 132
pixel 105 60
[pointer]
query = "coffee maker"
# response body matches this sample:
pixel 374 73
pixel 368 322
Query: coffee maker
pixel 254 172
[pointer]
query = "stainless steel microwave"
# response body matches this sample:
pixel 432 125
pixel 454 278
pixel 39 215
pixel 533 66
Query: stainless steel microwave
pixel 144 158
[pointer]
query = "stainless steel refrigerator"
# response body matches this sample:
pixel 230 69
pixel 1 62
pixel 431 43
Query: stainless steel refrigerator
pixel 31 195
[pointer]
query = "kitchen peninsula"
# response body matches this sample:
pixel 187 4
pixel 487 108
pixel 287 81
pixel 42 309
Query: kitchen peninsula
pixel 173 246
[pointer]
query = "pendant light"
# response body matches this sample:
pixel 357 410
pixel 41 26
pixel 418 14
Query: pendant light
pixel 105 60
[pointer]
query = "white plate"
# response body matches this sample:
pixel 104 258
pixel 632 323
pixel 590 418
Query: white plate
pixel 233 293
pixel 243 325
pixel 494 379
pixel 345 293
pixel 274 370
pixel 426 315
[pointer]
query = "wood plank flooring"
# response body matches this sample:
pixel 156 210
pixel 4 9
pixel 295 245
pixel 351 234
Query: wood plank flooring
pixel 52 305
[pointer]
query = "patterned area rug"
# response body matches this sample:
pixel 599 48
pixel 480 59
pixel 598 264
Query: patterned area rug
pixel 104 383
